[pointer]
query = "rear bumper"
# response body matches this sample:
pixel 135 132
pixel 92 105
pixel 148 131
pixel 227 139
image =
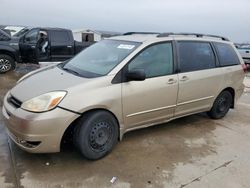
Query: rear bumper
pixel 36 132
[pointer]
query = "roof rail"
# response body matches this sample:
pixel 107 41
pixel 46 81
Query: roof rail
pixel 198 35
pixel 143 33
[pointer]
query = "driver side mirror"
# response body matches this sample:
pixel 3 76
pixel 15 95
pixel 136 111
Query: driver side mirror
pixel 136 75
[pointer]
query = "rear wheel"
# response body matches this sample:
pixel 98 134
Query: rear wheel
pixel 96 134
pixel 7 63
pixel 221 105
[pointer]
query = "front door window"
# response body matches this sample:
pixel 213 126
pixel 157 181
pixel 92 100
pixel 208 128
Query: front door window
pixel 155 60
pixel 31 37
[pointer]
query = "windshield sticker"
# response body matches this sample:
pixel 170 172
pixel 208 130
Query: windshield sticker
pixel 126 46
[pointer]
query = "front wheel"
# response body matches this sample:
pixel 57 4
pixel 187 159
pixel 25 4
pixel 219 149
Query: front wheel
pixel 221 105
pixel 96 134
pixel 7 63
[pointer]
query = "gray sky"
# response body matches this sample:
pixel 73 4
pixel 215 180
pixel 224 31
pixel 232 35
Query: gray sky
pixel 230 18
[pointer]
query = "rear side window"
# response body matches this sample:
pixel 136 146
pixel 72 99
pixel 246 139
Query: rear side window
pixel 59 36
pixel 226 54
pixel 195 56
pixel 156 60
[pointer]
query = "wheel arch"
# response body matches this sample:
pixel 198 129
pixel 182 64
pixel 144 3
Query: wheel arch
pixel 9 53
pixel 232 91
pixel 69 131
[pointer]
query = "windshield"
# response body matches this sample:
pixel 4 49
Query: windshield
pixel 100 58
pixel 4 36
pixel 21 32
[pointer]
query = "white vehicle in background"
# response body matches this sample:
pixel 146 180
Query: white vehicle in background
pixel 244 51
pixel 12 30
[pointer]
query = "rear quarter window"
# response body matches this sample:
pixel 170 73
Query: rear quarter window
pixel 226 54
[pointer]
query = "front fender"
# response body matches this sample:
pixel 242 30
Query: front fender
pixel 10 50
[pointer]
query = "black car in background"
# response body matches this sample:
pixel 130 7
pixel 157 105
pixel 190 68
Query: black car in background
pixel 36 45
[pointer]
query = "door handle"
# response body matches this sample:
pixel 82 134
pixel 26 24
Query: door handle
pixel 247 52
pixel 33 47
pixel 184 78
pixel 172 81
pixel 69 46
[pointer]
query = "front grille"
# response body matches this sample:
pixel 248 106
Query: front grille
pixel 14 102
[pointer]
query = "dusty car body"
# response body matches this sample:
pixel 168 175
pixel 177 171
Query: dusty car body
pixel 154 78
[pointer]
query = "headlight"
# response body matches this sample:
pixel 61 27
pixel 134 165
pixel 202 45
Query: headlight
pixel 44 102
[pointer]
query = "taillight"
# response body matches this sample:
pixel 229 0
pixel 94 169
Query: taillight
pixel 244 67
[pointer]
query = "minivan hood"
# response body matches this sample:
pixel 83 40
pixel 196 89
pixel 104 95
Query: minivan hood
pixel 44 81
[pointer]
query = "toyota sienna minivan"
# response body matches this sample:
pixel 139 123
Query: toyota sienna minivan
pixel 121 84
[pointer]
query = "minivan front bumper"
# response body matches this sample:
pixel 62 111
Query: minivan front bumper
pixel 36 132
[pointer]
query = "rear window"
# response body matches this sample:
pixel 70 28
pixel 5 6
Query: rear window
pixel 59 36
pixel 226 54
pixel 195 56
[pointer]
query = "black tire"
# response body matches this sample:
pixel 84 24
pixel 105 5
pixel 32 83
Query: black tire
pixel 96 134
pixel 221 105
pixel 7 63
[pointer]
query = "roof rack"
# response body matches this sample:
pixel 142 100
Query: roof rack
pixel 146 33
pixel 198 35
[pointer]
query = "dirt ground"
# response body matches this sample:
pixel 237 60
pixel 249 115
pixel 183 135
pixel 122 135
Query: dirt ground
pixel 190 152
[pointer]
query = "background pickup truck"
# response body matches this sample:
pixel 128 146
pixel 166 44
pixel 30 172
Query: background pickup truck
pixel 245 53
pixel 26 48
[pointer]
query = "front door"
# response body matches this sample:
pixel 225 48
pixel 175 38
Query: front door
pixel 154 99
pixel 28 46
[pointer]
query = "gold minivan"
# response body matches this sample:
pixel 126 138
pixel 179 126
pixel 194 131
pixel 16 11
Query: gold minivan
pixel 121 84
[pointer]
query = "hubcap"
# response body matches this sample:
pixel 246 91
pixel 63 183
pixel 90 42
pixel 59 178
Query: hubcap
pixel 5 65
pixel 100 135
pixel 223 104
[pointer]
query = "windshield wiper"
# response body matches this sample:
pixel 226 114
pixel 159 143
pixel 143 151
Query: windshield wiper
pixel 71 71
